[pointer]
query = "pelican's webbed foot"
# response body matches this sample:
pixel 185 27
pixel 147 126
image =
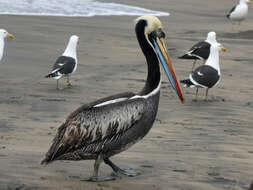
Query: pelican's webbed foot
pixel 126 172
pixel 99 179
pixel 118 171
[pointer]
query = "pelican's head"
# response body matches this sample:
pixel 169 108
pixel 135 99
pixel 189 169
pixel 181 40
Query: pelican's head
pixel 211 37
pixel 155 36
pixel 5 34
pixel 246 1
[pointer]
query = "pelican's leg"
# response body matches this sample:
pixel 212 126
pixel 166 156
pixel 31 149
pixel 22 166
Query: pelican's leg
pixel 206 94
pixel 95 177
pixel 118 171
pixel 196 94
pixel 68 81
pixel 193 65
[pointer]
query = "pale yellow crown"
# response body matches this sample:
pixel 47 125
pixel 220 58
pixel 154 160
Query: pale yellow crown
pixel 153 23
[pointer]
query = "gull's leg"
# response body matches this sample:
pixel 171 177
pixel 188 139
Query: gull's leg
pixel 194 63
pixel 233 29
pixel 57 84
pixel 206 94
pixel 196 94
pixel 68 81
pixel 239 25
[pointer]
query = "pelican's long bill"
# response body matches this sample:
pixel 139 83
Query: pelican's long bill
pixel 166 63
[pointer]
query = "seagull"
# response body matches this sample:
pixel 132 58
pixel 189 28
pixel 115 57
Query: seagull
pixel 201 50
pixel 239 12
pixel 208 75
pixel 103 128
pixel 3 34
pixel 66 64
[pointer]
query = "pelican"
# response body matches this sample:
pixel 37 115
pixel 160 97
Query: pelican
pixel 201 50
pixel 251 186
pixel 3 34
pixel 207 75
pixel 66 64
pixel 239 12
pixel 103 128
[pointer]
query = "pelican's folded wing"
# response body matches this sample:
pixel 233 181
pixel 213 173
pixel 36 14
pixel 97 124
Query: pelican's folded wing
pixel 90 128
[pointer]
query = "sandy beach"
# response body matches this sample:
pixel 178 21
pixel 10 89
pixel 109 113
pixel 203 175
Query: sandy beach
pixel 192 146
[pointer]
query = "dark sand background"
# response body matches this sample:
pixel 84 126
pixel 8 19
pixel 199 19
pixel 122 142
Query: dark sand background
pixel 194 146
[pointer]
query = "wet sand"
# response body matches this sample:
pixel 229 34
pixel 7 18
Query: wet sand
pixel 197 145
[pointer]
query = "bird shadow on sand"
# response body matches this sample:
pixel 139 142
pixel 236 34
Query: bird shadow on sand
pixel 230 35
pixel 238 35
pixel 199 32
pixel 246 60
pixel 192 35
pixel 202 102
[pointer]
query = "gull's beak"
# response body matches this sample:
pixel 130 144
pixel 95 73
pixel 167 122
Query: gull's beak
pixel 10 36
pixel 164 58
pixel 223 49
pixel 249 1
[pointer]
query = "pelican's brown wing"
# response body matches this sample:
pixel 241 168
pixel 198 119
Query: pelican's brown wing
pixel 88 130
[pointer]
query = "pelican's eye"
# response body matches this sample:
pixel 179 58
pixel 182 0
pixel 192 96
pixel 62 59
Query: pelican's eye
pixel 153 34
pixel 157 34
pixel 161 34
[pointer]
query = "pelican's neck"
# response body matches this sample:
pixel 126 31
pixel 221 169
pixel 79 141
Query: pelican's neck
pixel 1 48
pixel 213 59
pixel 70 50
pixel 153 77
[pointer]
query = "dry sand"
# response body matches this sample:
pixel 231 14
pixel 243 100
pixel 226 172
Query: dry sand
pixel 194 146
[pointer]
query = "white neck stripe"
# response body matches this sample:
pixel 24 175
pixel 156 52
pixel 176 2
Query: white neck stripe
pixel 155 91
